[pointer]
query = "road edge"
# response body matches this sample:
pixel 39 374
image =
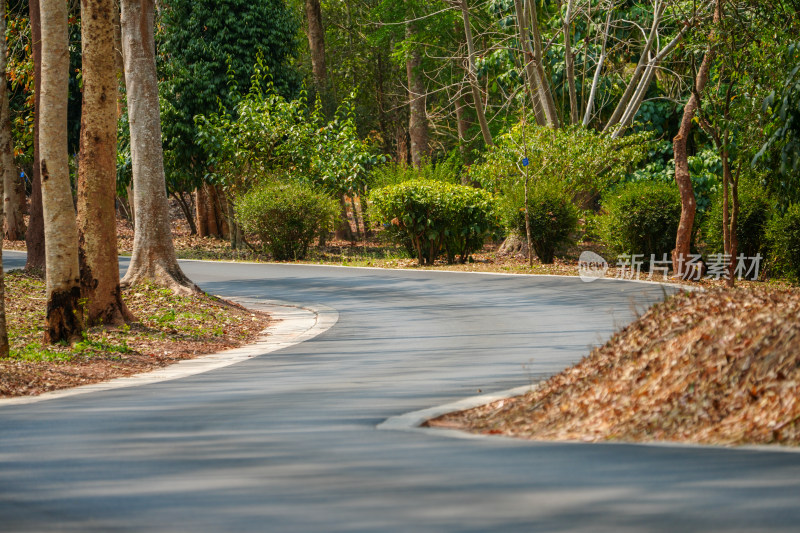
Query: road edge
pixel 292 324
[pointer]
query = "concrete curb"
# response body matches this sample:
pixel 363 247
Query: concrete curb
pixel 292 325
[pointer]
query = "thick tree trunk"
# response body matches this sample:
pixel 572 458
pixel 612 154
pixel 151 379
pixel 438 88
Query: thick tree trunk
pixel 345 231
pixel 683 240
pixel 473 77
pixel 7 162
pixel 34 236
pixel 98 170
pixel 417 112
pixel 153 251
pixel 316 43
pixel 63 322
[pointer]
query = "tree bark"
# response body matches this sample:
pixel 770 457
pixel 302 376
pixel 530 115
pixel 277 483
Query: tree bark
pixel 683 240
pixel 545 94
pixel 461 126
pixel 569 61
pixel 7 162
pixel 534 85
pixel 63 320
pixel 34 237
pixel 97 174
pixel 595 80
pixel 14 227
pixel 153 255
pixel 473 77
pixel 316 43
pixel 200 211
pixel 417 112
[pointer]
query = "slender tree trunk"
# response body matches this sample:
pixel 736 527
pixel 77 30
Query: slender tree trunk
pixel 734 239
pixel 545 94
pixel 187 211
pixel 153 251
pixel 345 231
pixel 534 84
pixel 7 162
pixel 14 227
pixel 569 61
pixel 461 126
pixel 683 240
pixel 98 169
pixel 34 237
pixel 417 115
pixel 477 98
pixel 64 320
pixel 598 70
pixel 200 211
pixel 316 43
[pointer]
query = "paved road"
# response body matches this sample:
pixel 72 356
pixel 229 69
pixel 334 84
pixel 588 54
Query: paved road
pixel 287 442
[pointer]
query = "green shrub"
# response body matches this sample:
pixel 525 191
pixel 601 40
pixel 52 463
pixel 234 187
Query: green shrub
pixel 783 239
pixel 287 217
pixel 436 217
pixel 641 218
pixel 751 225
pixel 552 215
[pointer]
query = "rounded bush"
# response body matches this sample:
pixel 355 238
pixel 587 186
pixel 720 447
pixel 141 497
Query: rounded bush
pixel 751 224
pixel 641 218
pixel 783 240
pixel 435 217
pixel 553 217
pixel 287 217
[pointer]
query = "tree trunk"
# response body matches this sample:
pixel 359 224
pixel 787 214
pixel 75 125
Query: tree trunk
pixel 14 200
pixel 153 251
pixel 7 162
pixel 534 85
pixel 462 126
pixel 473 77
pixel 97 174
pixel 201 211
pixel 683 240
pixel 569 61
pixel 34 237
pixel 345 231
pixel 14 227
pixel 316 43
pixel 734 239
pixel 417 113
pixel 63 322
pixel 595 80
pixel 545 94
pixel 186 208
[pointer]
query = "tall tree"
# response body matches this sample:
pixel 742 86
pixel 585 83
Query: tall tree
pixel 477 97
pixel 316 43
pixel 6 163
pixel 153 251
pixel 34 237
pixel 418 114
pixel 63 319
pixel 97 172
pixel 683 240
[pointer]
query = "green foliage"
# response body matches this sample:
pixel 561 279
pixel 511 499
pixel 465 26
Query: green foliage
pixel 286 216
pixel 705 169
pixel 783 238
pixel 583 160
pixel 553 217
pixel 266 134
pixel 435 216
pixel 755 207
pixel 205 48
pixel 448 170
pixel 641 218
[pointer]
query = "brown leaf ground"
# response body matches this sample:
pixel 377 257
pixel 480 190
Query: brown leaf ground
pixel 721 367
pixel 169 328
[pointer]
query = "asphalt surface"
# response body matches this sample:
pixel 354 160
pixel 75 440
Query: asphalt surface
pixel 288 441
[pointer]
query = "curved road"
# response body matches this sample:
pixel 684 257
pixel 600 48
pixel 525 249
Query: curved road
pixel 288 441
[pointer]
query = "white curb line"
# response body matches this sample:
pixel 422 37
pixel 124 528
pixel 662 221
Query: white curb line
pixel 292 325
